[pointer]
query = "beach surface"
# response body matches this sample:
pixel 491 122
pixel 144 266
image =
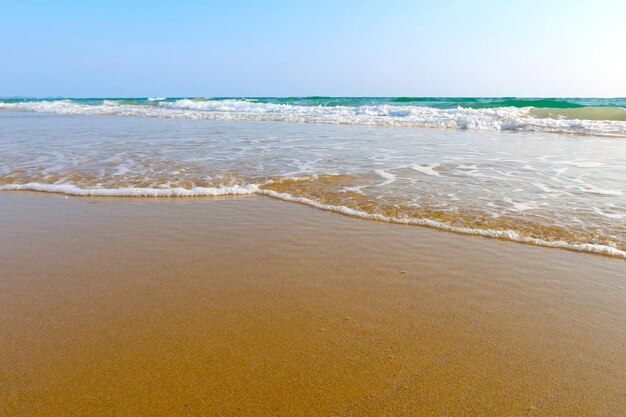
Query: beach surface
pixel 252 306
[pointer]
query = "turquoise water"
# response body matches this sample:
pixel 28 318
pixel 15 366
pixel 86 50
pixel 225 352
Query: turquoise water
pixel 435 102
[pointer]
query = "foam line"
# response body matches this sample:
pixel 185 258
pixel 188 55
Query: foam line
pixel 255 189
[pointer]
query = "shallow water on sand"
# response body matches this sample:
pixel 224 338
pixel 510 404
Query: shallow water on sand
pixel 549 189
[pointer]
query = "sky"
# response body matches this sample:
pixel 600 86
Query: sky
pixel 113 48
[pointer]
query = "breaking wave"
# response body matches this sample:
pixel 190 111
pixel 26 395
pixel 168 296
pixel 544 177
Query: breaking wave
pixel 538 115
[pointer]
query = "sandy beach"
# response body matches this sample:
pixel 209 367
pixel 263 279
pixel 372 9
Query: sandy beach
pixel 303 209
pixel 250 306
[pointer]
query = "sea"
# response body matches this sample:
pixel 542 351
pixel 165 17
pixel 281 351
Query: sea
pixel 542 171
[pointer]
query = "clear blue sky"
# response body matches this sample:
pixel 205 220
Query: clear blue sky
pixel 271 48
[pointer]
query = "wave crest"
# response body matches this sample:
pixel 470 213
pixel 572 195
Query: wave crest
pixel 586 121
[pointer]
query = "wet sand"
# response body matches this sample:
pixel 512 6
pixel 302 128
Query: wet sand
pixel 253 306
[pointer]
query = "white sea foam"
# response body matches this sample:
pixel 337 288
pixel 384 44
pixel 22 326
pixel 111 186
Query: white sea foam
pixel 388 176
pixel 425 169
pixel 523 206
pixel 501 118
pixel 133 191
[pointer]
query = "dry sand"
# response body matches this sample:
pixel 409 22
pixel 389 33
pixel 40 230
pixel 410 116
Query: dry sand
pixel 252 306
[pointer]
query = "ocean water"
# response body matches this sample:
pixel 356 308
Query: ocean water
pixel 549 172
pixel 587 116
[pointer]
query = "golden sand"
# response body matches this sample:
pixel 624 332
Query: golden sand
pixel 252 306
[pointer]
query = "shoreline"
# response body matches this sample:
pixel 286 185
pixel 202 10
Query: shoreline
pixel 258 190
pixel 253 306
